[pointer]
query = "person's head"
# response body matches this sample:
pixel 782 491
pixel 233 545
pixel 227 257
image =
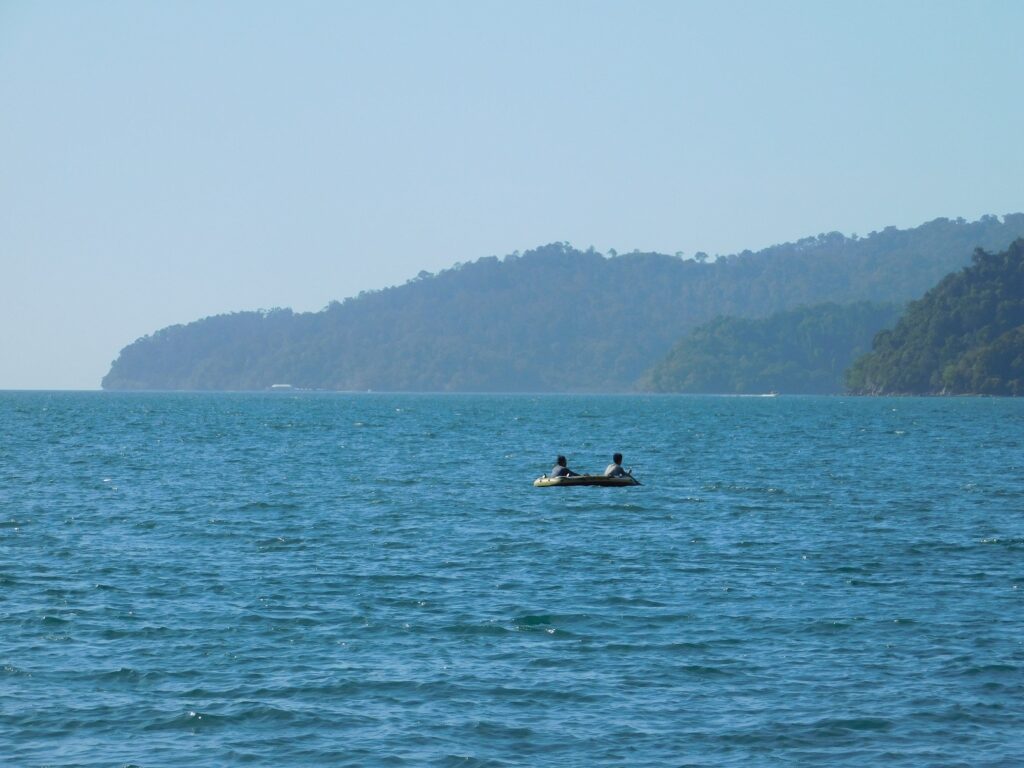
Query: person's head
pixel 617 458
pixel 560 461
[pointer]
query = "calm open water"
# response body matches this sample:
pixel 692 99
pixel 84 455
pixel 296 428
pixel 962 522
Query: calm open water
pixel 321 579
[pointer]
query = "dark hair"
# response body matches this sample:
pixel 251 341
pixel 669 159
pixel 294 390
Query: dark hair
pixel 560 461
pixel 617 458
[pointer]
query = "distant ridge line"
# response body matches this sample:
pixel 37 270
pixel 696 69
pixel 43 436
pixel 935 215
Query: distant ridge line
pixel 552 319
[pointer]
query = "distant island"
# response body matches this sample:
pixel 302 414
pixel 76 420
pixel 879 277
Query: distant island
pixel 798 351
pixel 553 319
pixel 966 336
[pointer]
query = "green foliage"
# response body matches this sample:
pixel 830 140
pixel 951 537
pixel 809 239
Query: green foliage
pixel 965 336
pixel 551 319
pixel 801 351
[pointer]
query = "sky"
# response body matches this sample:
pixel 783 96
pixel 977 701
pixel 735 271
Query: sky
pixel 161 162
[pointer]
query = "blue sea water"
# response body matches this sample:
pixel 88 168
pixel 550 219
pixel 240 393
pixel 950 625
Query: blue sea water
pixel 371 580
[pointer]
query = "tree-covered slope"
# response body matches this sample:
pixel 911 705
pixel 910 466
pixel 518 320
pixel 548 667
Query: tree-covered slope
pixel 965 336
pixel 552 319
pixel 801 351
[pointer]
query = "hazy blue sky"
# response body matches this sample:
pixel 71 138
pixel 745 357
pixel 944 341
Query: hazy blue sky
pixel 163 162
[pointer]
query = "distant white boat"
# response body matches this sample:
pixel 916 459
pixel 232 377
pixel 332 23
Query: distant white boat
pixel 281 386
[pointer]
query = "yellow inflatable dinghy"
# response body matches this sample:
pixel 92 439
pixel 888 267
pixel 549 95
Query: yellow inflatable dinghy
pixel 601 480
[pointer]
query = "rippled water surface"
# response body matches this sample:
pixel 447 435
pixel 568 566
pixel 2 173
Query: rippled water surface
pixel 293 579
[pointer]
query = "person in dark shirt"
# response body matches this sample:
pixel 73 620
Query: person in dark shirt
pixel 561 470
pixel 615 468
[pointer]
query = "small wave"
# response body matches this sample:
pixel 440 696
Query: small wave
pixel 838 726
pixel 990 669
pixel 706 671
pixel 871 583
pixel 500 730
pixel 827 627
pixel 740 488
pixel 280 543
pixel 546 623
pixel 937 547
pixel 249 713
pixel 471 630
pixel 1010 542
pixel 844 569
pixel 190 719
pixel 534 620
pixel 277 506
pixel 541 693
pixel 468 761
pixel 122 674
pixel 138 633
pixel 674 647
pixel 633 601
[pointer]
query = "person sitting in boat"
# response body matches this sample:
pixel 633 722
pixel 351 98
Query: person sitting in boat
pixel 615 468
pixel 561 470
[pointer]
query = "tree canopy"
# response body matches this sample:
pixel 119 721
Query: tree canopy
pixel 551 319
pixel 965 336
pixel 801 351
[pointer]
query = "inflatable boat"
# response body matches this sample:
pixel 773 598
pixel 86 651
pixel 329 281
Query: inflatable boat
pixel 612 482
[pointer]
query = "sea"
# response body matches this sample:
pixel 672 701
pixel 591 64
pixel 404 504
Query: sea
pixel 326 579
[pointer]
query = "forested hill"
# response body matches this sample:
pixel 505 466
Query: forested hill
pixel 798 351
pixel 551 319
pixel 966 336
